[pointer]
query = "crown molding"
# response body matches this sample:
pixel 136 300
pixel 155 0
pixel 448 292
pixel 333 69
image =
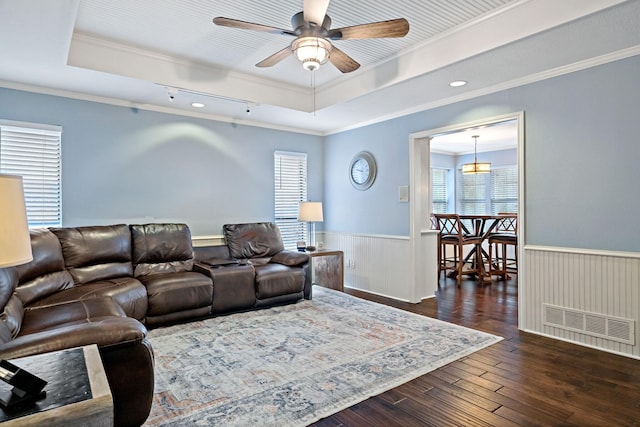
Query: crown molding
pixel 150 107
pixel 532 78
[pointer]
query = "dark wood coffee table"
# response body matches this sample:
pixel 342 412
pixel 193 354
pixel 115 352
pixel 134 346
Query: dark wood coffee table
pixel 77 390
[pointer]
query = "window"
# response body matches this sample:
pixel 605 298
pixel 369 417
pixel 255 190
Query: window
pixel 504 189
pixel 34 152
pixel 290 172
pixel 439 190
pixel 473 190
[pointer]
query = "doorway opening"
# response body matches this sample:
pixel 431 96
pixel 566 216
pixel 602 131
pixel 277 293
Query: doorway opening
pixel 423 247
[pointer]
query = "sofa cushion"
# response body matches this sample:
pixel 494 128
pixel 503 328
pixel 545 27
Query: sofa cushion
pixel 11 311
pixel 161 248
pixel 61 315
pixel 129 293
pixel 47 255
pixel 44 286
pixel 96 252
pixel 216 256
pixel 104 331
pixel 260 239
pixel 174 292
pixel 275 279
pixel 46 273
pixel 8 283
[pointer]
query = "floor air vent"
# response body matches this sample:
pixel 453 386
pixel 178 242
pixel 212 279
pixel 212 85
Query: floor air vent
pixel 593 324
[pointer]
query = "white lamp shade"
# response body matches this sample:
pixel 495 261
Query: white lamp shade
pixel 15 243
pixel 310 212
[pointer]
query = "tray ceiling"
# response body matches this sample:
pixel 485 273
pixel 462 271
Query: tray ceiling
pixel 130 53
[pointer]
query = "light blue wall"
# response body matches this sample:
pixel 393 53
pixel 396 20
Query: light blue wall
pixel 581 175
pixel 446 161
pixel 376 210
pixel 127 165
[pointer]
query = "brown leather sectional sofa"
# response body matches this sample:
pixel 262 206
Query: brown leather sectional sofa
pixel 105 285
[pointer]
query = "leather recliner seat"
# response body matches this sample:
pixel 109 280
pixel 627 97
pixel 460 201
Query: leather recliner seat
pixel 102 284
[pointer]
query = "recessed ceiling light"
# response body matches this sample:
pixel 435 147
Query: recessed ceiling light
pixel 197 104
pixel 457 83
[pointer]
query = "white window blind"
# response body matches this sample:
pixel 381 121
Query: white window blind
pixel 290 171
pixel 439 190
pixel 34 152
pixel 504 189
pixel 473 191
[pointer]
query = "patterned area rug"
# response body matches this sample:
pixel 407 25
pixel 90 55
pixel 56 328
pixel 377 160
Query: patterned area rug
pixel 292 365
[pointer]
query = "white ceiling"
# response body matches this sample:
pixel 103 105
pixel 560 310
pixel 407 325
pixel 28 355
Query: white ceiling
pixel 128 52
pixel 498 136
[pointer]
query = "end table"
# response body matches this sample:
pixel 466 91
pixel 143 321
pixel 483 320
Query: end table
pixel 327 268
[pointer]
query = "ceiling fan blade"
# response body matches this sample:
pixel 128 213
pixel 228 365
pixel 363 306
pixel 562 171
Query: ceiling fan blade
pixel 275 58
pixel 375 30
pixel 235 23
pixel 315 10
pixel 342 61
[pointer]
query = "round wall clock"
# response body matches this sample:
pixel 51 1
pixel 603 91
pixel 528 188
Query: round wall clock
pixel 362 170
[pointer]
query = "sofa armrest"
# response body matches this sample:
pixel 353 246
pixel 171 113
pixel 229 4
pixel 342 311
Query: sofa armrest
pixel 110 331
pixel 213 255
pixel 290 258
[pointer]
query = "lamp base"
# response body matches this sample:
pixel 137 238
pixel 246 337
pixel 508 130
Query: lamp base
pixel 27 388
pixel 10 400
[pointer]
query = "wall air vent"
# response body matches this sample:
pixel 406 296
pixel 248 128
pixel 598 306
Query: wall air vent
pixel 593 324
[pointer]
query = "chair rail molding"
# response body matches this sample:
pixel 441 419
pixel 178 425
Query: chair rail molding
pixel 208 240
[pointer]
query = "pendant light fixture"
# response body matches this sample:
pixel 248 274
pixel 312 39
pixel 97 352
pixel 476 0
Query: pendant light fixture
pixel 475 167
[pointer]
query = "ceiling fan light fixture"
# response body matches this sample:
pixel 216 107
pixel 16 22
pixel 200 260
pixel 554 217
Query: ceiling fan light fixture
pixel 311 51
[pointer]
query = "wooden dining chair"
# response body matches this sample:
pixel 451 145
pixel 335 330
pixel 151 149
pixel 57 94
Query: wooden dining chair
pixel 433 222
pixel 502 241
pixel 454 234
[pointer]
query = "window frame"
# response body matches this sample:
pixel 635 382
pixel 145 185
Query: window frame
pixel 287 200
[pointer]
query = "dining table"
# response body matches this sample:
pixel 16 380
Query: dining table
pixel 482 226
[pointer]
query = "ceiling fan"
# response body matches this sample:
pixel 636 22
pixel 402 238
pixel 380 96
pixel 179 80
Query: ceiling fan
pixel 312 32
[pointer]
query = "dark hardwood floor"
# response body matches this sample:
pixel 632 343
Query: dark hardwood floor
pixel 523 380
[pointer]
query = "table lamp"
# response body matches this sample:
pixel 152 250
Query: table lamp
pixel 15 249
pixel 311 212
pixel 15 243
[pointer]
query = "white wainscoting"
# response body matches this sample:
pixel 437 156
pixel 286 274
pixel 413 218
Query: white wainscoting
pixel 604 283
pixel 377 264
pixel 213 240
